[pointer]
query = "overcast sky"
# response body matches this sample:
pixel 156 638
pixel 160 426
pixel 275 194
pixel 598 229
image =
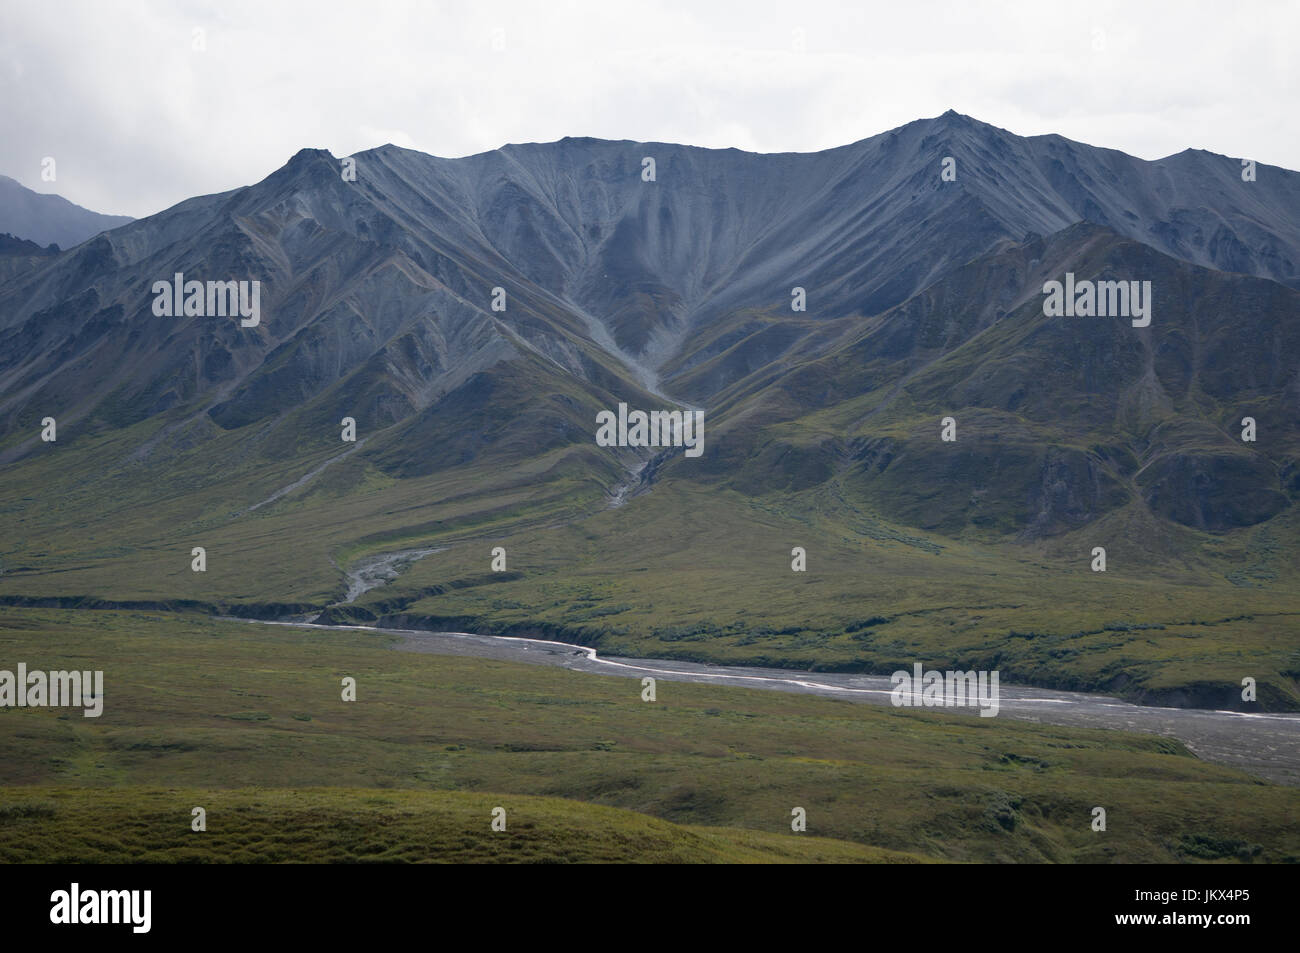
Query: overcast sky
pixel 137 118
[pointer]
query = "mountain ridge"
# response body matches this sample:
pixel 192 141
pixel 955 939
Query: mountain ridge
pixel 48 218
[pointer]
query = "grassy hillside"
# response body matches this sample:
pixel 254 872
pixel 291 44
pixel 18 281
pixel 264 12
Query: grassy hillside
pixel 683 570
pixel 332 825
pixel 684 573
pixel 194 704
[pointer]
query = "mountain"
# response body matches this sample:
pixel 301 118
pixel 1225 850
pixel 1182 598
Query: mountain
pixel 1069 418
pixel 925 301
pixel 49 219
pixel 377 292
pixel 18 254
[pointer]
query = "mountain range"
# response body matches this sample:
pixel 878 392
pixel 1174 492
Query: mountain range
pixel 921 255
pixel 49 219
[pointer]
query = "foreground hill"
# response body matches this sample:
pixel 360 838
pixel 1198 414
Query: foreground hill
pixel 247 721
pixel 378 826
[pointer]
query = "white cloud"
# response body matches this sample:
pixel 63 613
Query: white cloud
pixel 139 120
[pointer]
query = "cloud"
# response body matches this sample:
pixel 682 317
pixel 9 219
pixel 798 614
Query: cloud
pixel 139 119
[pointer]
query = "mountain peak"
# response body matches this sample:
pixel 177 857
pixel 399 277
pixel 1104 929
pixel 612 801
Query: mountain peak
pixel 953 118
pixel 307 155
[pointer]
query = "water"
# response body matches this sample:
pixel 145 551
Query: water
pixel 1266 745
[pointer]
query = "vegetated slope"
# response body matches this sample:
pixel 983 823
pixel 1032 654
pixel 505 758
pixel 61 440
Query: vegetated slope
pixel 1058 421
pixel 247 721
pixel 378 826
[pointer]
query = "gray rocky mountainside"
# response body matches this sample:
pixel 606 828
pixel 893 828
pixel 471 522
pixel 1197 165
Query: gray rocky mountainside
pixel 49 219
pixel 924 299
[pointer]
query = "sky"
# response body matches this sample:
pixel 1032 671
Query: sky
pixel 142 104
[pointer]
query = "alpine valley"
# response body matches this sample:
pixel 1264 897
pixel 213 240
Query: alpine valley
pixel 476 426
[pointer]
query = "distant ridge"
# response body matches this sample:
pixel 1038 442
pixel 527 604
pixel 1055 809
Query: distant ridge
pixel 49 219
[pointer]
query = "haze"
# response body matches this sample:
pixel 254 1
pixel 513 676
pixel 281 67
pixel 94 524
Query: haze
pixel 138 118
